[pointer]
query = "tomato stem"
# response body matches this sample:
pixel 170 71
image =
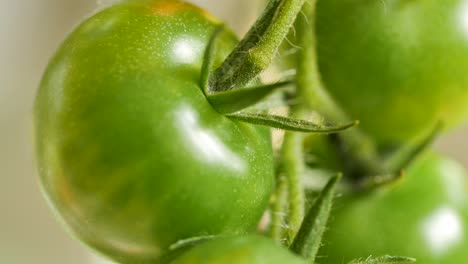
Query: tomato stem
pixel 293 167
pixel 256 50
pixel 208 59
pixel 311 91
pixel 279 209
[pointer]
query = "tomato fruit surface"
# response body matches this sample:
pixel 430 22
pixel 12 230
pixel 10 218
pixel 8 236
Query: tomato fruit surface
pixel 130 153
pixel 398 66
pixel 239 250
pixel 425 216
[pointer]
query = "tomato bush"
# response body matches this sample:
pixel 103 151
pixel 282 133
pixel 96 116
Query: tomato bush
pixel 425 216
pixel 142 152
pixel 239 250
pixel 397 66
pixel 131 154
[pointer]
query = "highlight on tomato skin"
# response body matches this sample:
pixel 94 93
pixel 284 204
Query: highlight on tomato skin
pixel 424 215
pixel 131 155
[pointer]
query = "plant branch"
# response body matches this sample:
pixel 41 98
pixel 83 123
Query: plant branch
pixel 279 210
pixel 256 50
pixel 292 155
pixel 311 90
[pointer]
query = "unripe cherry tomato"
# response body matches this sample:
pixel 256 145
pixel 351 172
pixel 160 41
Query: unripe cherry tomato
pixel 130 153
pixel 424 216
pixel 239 250
pixel 398 66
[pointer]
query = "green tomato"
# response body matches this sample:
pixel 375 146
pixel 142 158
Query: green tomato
pixel 130 153
pixel 398 66
pixel 425 216
pixel 239 250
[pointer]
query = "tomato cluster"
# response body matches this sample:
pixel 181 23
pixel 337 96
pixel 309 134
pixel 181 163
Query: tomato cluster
pixel 400 68
pixel 145 161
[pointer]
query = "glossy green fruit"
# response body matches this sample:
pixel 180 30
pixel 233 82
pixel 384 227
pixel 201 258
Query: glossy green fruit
pixel 398 66
pixel 239 250
pixel 131 154
pixel 424 216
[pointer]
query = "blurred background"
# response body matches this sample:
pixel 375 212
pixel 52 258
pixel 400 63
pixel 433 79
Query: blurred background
pixel 30 31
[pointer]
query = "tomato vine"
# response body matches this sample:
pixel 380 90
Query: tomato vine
pixel 152 147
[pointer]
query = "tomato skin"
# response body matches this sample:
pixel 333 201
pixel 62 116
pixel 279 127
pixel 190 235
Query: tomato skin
pixel 424 216
pixel 251 249
pixel 130 153
pixel 398 66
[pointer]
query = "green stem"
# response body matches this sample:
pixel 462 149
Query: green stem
pixel 309 85
pixel 256 50
pixel 314 95
pixel 279 210
pixel 293 168
pixel 208 60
